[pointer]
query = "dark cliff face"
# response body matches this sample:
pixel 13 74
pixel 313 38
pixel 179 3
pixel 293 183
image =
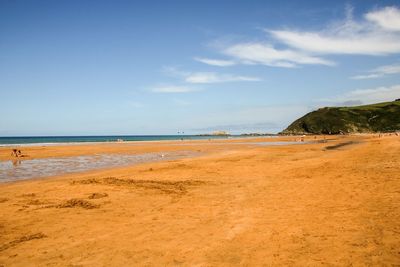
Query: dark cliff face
pixel 382 117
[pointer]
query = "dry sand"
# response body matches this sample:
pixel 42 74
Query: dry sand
pixel 236 205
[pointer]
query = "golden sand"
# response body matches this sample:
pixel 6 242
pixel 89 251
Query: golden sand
pixel 236 205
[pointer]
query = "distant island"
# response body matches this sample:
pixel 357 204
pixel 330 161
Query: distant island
pixel 381 117
pixel 216 133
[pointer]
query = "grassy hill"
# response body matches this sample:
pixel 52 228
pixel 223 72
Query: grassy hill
pixel 381 117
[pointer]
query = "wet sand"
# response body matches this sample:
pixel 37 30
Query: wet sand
pixel 235 205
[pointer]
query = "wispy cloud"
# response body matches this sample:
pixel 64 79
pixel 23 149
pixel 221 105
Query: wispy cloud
pixel 378 33
pixel 173 89
pixel 379 72
pixel 265 54
pixel 215 62
pixel 208 77
pixel 212 77
pixel 269 118
pixel 367 96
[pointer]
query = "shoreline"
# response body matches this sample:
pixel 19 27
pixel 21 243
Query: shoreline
pixel 108 142
pixel 200 138
pixel 68 149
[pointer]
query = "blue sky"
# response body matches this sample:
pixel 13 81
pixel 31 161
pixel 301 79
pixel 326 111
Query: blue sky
pixel 159 67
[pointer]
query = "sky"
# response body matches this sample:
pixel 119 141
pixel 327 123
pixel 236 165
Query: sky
pixel 72 67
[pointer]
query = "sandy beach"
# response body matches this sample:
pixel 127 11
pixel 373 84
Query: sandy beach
pixel 236 203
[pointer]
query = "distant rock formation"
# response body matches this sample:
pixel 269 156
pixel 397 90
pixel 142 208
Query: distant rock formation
pixel 216 133
pixel 220 133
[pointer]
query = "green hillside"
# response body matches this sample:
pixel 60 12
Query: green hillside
pixel 381 117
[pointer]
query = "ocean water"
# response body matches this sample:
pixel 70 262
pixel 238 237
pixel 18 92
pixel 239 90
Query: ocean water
pixel 6 141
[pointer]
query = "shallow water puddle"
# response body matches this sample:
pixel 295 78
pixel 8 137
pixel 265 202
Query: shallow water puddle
pixel 35 168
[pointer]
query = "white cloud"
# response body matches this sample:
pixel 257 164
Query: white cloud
pixel 173 89
pixel 388 18
pixel 377 34
pixel 379 72
pixel 208 77
pixel 265 54
pixel 367 76
pixel 215 62
pixel 212 77
pixel 368 96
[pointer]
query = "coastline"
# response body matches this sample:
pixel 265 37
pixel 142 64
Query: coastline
pixel 151 138
pixel 288 204
pixel 74 149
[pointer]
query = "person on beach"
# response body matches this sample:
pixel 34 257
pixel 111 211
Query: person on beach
pixel 16 153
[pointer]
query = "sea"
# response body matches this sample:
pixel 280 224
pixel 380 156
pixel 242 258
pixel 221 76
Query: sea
pixel 48 140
